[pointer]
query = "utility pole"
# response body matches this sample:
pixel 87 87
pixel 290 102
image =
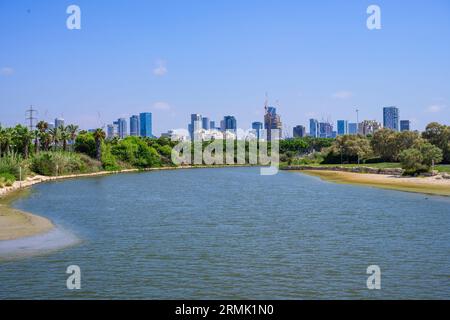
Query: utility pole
pixel 30 117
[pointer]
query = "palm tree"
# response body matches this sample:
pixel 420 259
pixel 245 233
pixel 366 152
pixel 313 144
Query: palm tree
pixel 6 140
pixel 23 138
pixel 41 127
pixel 99 136
pixel 55 134
pixel 65 136
pixel 46 140
pixel 73 130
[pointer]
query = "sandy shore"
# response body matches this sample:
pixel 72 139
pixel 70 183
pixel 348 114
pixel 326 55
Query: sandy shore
pixel 426 185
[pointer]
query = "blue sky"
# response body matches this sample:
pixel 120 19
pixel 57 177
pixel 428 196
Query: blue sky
pixel 173 58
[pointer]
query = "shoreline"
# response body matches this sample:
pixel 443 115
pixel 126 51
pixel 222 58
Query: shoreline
pixel 424 185
pixel 16 224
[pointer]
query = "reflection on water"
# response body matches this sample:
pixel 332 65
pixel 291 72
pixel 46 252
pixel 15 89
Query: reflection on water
pixel 232 234
pixel 56 239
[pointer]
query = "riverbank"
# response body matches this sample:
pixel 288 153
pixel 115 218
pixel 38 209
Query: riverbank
pixel 426 185
pixel 16 224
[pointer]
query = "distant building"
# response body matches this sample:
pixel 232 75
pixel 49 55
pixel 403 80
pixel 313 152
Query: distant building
pixel 212 125
pixel 134 126
pixel 342 127
pixel 205 123
pixel 325 130
pixel 368 127
pixel 196 125
pixel 145 124
pixel 299 131
pixel 59 122
pixel 122 127
pixel 257 127
pixel 391 118
pixel 272 121
pixel 112 131
pixel 405 125
pixel 229 123
pixel 353 128
pixel 314 128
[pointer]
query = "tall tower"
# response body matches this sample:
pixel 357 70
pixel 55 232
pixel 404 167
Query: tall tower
pixel 31 118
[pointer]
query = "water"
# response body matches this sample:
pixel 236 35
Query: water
pixel 233 234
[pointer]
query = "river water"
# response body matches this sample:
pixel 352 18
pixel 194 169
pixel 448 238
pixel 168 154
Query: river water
pixel 230 233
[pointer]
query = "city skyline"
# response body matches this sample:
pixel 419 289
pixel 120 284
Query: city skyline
pixel 302 59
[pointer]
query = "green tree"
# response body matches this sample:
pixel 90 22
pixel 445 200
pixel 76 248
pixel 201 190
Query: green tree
pixel 439 135
pixel 99 136
pixel 385 144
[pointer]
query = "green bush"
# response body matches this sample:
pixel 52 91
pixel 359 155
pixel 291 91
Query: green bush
pixel 420 158
pixel 6 179
pixel 136 152
pixel 109 161
pixel 59 163
pixel 13 164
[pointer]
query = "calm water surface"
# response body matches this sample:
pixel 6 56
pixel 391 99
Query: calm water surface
pixel 233 234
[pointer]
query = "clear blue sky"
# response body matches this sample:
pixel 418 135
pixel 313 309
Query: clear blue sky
pixel 173 58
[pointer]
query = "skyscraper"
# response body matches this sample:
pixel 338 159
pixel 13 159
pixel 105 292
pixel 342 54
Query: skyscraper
pixel 257 127
pixel 342 127
pixel 122 127
pixel 353 128
pixel 205 123
pixel 212 125
pixel 299 131
pixel 112 130
pixel 405 125
pixel 314 128
pixel 391 118
pixel 196 124
pixel 59 122
pixel 325 130
pixel 229 123
pixel 272 121
pixel 134 125
pixel 145 124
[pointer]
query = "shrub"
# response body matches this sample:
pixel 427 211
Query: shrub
pixel 13 164
pixel 420 158
pixel 109 161
pixel 58 163
pixel 6 179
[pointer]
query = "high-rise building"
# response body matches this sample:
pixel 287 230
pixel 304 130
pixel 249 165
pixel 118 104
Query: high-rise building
pixel 368 127
pixel 314 128
pixel 272 121
pixel 212 125
pixel 299 131
pixel 391 116
pixel 325 130
pixel 229 123
pixel 353 128
pixel 405 125
pixel 145 124
pixel 196 124
pixel 112 131
pixel 205 123
pixel 121 127
pixel 59 122
pixel 257 127
pixel 134 126
pixel 342 127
